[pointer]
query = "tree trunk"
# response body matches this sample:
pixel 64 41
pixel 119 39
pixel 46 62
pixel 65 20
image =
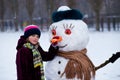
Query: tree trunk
pixel 2 25
pixel 97 21
pixel 16 23
pixel 96 5
pixel 30 9
pixel 2 9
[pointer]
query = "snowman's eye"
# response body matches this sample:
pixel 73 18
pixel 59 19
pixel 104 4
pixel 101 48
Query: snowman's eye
pixel 68 31
pixel 68 28
pixel 53 32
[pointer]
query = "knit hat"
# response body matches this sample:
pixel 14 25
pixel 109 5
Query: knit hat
pixel 65 13
pixel 30 30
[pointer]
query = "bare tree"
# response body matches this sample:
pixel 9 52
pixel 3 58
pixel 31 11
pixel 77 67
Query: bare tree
pixel 71 3
pixel 2 10
pixel 14 8
pixel 96 6
pixel 50 9
pixel 50 6
pixel 30 9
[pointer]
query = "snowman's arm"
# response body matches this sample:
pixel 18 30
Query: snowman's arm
pixel 111 59
pixel 114 57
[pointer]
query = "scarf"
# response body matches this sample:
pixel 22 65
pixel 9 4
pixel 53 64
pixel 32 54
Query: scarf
pixel 37 59
pixel 79 65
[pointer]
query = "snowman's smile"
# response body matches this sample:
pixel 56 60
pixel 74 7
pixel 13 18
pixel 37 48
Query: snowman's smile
pixel 62 46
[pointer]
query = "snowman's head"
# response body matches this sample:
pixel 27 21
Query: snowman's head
pixel 69 34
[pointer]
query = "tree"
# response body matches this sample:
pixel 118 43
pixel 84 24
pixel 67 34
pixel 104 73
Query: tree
pixel 30 9
pixel 2 10
pixel 50 7
pixel 71 3
pixel 14 7
pixel 96 6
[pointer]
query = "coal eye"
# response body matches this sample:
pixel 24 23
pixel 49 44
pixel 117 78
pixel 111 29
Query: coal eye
pixel 68 31
pixel 53 32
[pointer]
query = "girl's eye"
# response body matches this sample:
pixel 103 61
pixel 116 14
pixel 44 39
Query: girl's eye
pixel 68 31
pixel 53 32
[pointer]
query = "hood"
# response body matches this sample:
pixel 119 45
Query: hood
pixel 20 43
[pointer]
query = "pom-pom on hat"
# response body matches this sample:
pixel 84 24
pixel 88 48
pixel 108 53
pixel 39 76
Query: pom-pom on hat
pixel 30 30
pixel 65 13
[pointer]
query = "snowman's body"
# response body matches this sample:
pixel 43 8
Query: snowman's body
pixel 77 40
pixel 55 67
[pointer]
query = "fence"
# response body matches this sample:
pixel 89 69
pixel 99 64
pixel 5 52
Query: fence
pixel 106 23
pixel 9 24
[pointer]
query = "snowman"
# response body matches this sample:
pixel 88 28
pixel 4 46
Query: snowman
pixel 70 34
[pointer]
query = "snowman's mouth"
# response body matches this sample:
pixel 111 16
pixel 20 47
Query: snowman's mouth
pixel 62 46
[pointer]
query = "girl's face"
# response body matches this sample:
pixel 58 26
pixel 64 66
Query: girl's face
pixel 33 39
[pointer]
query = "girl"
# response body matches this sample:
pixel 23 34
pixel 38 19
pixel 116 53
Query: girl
pixel 30 56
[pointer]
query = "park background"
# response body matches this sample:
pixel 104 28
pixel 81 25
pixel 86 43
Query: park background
pixel 16 14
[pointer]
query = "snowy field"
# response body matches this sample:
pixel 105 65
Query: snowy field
pixel 101 46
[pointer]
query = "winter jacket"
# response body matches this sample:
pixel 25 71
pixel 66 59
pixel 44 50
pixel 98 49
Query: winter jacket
pixel 24 61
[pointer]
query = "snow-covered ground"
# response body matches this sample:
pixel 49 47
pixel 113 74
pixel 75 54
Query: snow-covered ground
pixel 101 46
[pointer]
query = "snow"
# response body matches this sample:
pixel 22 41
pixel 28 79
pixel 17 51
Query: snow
pixel 100 48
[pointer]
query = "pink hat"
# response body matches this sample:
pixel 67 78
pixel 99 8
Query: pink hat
pixel 30 30
pixel 30 27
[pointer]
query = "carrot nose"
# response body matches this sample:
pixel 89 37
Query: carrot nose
pixel 56 39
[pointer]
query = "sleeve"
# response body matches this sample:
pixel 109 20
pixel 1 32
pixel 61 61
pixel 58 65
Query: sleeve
pixel 23 66
pixel 46 56
pixel 18 65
